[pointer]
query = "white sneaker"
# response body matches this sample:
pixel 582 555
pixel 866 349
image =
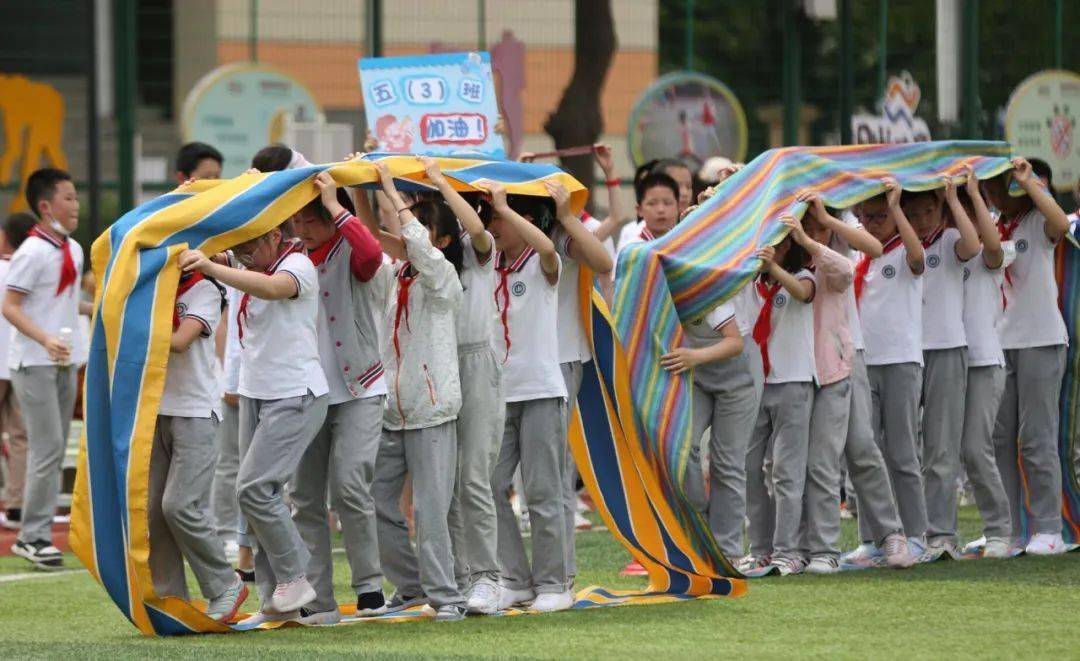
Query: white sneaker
pixel 321 618
pixel 511 598
pixel 897 552
pixel 582 506
pixel 483 597
pixel 823 565
pixel 917 548
pixel 863 555
pixel 548 602
pixel 995 548
pixel 264 616
pixel 1045 544
pixel 292 595
pixel 787 566
pixel 581 523
pixel 750 563
pixel 223 607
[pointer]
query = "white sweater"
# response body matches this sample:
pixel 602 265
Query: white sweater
pixel 419 341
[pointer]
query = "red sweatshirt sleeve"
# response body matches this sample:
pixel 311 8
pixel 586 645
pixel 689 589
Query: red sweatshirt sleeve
pixel 366 251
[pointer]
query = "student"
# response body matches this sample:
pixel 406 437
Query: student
pixel 784 333
pixel 1034 338
pixel 947 250
pixel 226 509
pixel 42 303
pixel 983 279
pixel 529 269
pixel 282 405
pixel 677 172
pixel 576 244
pixel 16 228
pixel 182 459
pixel 419 351
pixel 879 521
pixel 198 160
pixel 342 455
pixel 888 290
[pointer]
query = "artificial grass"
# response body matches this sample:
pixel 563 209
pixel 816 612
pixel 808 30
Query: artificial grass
pixel 1019 608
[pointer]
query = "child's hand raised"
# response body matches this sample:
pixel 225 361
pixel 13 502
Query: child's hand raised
pixel 892 191
pixel 1022 170
pixel 495 191
pixel 385 178
pixel 797 231
pixel 766 255
pixel 814 201
pixel 681 360
pixel 948 188
pixel 561 196
pixel 327 191
pixel 605 159
pixel 193 260
pixel 971 182
pixel 431 169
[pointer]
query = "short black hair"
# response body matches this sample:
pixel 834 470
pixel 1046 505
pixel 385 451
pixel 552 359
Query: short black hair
pixel 41 185
pixel 540 209
pixel 1042 170
pixel 437 215
pixel 193 153
pixel 654 180
pixel 272 158
pixel 17 227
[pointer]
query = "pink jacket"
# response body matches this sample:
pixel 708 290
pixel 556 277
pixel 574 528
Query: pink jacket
pixel 833 347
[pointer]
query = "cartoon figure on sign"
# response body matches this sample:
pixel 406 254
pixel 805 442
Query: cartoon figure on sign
pixel 33 118
pixel 394 135
pixel 1061 131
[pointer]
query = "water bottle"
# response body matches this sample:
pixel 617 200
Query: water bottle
pixel 66 335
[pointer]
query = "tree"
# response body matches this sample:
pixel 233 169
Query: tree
pixel 578 120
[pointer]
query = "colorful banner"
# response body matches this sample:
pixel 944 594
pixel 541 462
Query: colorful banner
pixel 440 104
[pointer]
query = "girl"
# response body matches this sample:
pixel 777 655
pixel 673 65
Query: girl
pixel 784 332
pixel 282 404
pixel 529 269
pixel 983 279
pixel 419 350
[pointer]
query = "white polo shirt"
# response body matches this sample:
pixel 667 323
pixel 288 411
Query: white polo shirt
pixel 230 367
pixel 890 310
pixel 746 309
pixel 573 344
pixel 706 331
pixel 5 327
pixel 35 271
pixel 983 308
pixel 280 339
pixel 791 340
pixel 943 293
pixel 1032 317
pixel 191 389
pixel 531 370
pixel 477 318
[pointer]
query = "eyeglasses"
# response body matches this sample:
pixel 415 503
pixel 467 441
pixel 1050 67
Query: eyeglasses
pixel 245 252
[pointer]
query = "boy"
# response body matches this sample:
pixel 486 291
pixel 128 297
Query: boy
pixel 198 160
pixel 16 229
pixel 657 206
pixel 183 456
pixel 344 450
pixel 944 344
pixel 42 303
pixel 1034 338
pixel 888 290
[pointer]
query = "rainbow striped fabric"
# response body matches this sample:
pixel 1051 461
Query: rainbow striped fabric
pixel 705 260
pixel 1068 274
pixel 135 265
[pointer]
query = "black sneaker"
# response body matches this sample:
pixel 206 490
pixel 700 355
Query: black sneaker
pixel 41 553
pixel 370 603
pixel 246 575
pixel 399 602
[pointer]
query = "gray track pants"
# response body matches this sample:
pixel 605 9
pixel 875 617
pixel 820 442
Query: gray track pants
pixel 342 456
pixel 828 434
pixel 943 392
pixel 984 388
pixel 223 491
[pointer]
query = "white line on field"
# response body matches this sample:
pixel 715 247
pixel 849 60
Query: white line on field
pixel 32 576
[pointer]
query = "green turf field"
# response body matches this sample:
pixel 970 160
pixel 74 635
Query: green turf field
pixel 1021 608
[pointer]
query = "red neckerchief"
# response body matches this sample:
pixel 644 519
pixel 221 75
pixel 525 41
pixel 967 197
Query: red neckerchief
pixel 763 325
pixel 503 288
pixel 68 274
pixel 645 234
pixel 1005 231
pixel 863 267
pixel 319 255
pixel 291 246
pixel 187 281
pixel 933 238
pixel 405 279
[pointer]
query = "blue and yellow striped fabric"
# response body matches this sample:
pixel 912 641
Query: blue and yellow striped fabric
pixel 135 265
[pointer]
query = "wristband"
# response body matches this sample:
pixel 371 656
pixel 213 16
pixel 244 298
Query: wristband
pixel 614 182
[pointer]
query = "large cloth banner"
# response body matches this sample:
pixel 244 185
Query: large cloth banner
pixel 135 265
pixel 1068 274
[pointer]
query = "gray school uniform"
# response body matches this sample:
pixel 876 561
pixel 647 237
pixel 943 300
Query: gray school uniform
pixel 1027 426
pixel 531 439
pixel 828 431
pixel 274 434
pixel 725 401
pixel 46 396
pixel 178 514
pixel 343 453
pixel 894 396
pixel 985 386
pixel 571 372
pixel 878 515
pixel 943 391
pixel 223 490
pixel 473 526
pixel 427 455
